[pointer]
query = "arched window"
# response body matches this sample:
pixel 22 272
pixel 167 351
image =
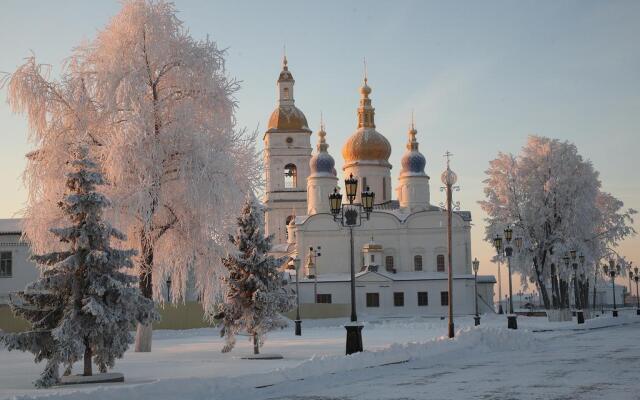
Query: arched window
pixel 290 176
pixel 384 189
pixel 417 262
pixel 286 93
pixel 440 263
pixel 286 226
pixel 388 263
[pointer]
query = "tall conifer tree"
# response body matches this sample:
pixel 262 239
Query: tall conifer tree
pixel 255 291
pixel 84 305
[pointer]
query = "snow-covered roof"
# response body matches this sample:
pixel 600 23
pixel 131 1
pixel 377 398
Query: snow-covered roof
pixel 280 248
pixel 11 225
pixel 399 276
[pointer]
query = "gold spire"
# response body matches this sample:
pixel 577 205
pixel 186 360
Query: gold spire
pixel 322 143
pixel 284 57
pixel 413 143
pixel 366 112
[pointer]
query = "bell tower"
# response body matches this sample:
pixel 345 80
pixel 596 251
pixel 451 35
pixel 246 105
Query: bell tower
pixel 287 151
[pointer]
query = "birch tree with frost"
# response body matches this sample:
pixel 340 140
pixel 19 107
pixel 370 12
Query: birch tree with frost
pixel 161 109
pixel 552 198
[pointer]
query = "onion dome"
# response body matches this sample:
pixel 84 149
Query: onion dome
pixel 413 162
pixel 366 143
pixel 287 117
pixel 322 163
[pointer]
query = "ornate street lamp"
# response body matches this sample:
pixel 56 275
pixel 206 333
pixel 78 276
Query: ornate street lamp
pixel 512 321
pixel 612 270
pixel 497 243
pixel 350 216
pixel 636 277
pixel 449 178
pixel 294 263
pixel 476 265
pixel 579 313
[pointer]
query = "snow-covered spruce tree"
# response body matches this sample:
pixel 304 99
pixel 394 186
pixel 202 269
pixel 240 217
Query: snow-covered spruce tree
pixel 85 303
pixel 552 197
pixel 163 128
pixel 255 288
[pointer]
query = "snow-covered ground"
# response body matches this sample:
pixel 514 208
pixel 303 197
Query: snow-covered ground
pixel 404 359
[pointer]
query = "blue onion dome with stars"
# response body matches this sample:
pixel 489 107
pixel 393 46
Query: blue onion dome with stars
pixel 413 162
pixel 322 163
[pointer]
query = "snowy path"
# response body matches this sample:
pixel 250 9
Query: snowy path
pixel 487 363
pixel 599 364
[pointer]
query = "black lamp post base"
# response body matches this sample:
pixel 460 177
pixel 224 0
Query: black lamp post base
pixel 500 309
pixel 354 338
pixel 637 311
pixel 512 321
pixel 451 330
pixel 615 313
pixel 298 327
pixel 476 320
pixel 580 316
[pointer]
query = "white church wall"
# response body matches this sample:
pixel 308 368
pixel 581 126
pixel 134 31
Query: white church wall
pixel 23 270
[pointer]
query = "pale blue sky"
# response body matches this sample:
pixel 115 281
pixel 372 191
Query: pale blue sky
pixel 481 76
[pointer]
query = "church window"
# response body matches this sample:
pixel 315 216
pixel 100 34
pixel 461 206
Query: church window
pixel 373 258
pixel 286 93
pixel 5 264
pixel 417 263
pixel 398 299
pixel 373 299
pixel 289 140
pixel 440 263
pixel 323 298
pixel 286 226
pixel 423 299
pixel 388 263
pixel 290 176
pixel 444 298
pixel 364 183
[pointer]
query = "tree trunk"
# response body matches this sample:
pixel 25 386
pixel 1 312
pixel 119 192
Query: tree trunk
pixel 87 360
pixel 564 294
pixel 542 287
pixel 555 293
pixel 144 333
pixel 256 346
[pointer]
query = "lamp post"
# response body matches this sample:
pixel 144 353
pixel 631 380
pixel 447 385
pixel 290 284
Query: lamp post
pixel 449 179
pixel 350 215
pixel 636 278
pixel 315 253
pixel 612 270
pixel 512 322
pixel 497 243
pixel 576 293
pixel 295 263
pixel 476 265
pixel 630 279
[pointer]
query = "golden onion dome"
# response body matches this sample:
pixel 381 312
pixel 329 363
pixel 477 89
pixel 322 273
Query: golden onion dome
pixel 288 118
pixel 366 144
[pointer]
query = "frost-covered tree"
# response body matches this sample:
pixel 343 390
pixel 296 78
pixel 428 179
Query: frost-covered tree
pixel 85 303
pixel 552 198
pixel 161 108
pixel 255 288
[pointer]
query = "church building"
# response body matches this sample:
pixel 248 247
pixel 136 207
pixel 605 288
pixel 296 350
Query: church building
pixel 400 250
